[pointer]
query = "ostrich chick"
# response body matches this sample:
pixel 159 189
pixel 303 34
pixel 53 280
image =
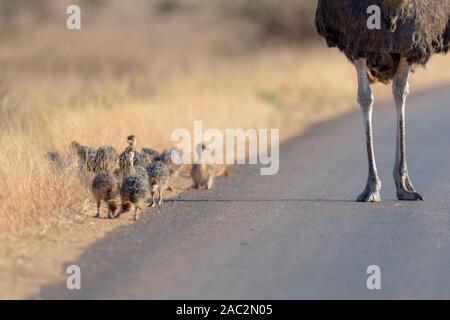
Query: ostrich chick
pixel 142 159
pixel 58 161
pixel 150 153
pixel 128 166
pixel 106 159
pixel 172 158
pixel 105 187
pixel 202 173
pixel 159 180
pixel 133 194
pixel 132 141
pixel 85 155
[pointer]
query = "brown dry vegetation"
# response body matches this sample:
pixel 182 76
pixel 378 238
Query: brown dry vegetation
pixel 147 68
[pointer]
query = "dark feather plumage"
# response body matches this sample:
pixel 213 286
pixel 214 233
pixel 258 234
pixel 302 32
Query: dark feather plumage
pixel 85 154
pixel 106 159
pixel 414 29
pixel 134 189
pixel 158 174
pixel 173 159
pixel 153 154
pixel 139 159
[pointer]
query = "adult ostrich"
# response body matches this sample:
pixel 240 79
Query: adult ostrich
pixel 411 32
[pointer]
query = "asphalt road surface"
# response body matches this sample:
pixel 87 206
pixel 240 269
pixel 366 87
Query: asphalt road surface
pixel 298 234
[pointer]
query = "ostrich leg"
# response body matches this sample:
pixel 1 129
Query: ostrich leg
pixel 400 88
pixel 372 190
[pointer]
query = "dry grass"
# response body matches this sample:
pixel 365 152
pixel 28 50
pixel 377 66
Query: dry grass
pixel 124 80
pixel 275 88
pixel 43 214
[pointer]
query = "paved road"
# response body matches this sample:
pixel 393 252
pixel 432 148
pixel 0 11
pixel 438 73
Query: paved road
pixel 298 234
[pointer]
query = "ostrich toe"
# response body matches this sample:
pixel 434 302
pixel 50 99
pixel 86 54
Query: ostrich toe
pixel 371 192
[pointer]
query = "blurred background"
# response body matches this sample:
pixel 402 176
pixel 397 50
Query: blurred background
pixel 145 49
pixel 147 67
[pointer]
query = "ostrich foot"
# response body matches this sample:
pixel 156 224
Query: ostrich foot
pixel 406 191
pixel 409 196
pixel 371 192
